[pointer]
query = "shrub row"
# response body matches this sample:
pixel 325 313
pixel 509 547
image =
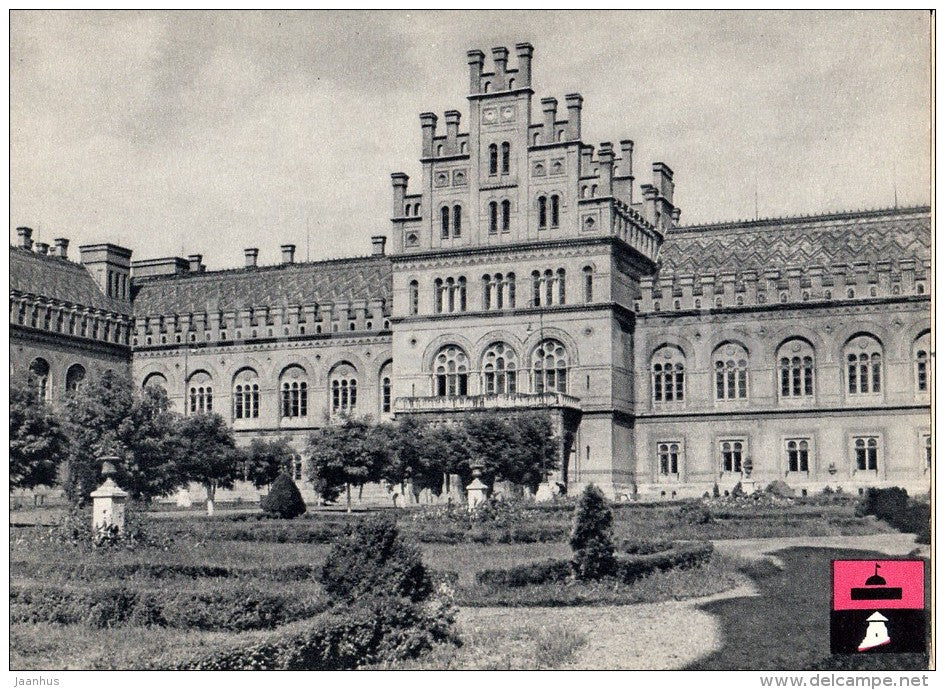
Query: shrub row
pixel 371 632
pixel 894 506
pixel 630 567
pixel 158 571
pixel 105 606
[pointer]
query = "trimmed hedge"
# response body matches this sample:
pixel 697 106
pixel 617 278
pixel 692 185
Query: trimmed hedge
pixel 343 638
pixel 681 555
pixel 284 499
pixel 232 608
pixel 894 507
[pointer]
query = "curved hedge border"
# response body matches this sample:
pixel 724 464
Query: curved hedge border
pixel 233 608
pixel 629 567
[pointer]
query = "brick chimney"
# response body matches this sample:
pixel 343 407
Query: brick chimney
pixel 288 253
pixel 25 235
pixel 251 253
pixel 377 245
pixel 195 263
pixel 42 248
pixel 62 247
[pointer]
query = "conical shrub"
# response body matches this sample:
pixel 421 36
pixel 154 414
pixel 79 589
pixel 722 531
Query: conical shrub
pixel 284 499
pixel 592 536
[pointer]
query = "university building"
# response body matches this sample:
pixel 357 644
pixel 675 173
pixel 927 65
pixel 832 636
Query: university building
pixel 526 269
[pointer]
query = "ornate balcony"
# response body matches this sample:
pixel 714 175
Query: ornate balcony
pixel 464 403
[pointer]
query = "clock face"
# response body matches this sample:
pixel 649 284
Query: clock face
pixel 489 115
pixel 508 113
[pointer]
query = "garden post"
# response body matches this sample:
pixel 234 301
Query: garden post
pixel 108 501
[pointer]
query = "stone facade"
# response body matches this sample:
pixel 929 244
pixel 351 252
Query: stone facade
pixel 528 271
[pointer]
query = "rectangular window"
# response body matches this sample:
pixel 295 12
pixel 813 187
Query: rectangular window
pixel 669 457
pixel 798 454
pixel 927 450
pixel 732 452
pixel 866 453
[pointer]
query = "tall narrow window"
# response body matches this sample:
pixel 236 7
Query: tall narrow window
pixel 39 378
pixel 506 157
pixel 510 283
pixel 588 284
pixel 493 218
pixel 798 455
pixel 549 287
pixel 920 352
pixel 731 451
pixel 487 292
pixel 555 206
pixel 493 159
pixel 438 295
pixel 506 215
pixel 445 222
pixel 542 212
pixel 536 289
pixel 669 374
pixel 414 297
pixel 561 284
pixel 731 372
pixel 385 394
pixel 866 453
pixel 864 360
pixel 343 384
pixel 499 283
pixel 457 220
pixel 461 293
pixel 796 369
pixel 246 395
pixel 450 291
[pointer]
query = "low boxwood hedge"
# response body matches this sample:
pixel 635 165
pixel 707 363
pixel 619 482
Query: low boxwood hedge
pixel 238 607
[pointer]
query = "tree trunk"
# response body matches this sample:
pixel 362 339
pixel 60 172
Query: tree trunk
pixel 348 491
pixel 360 492
pixel 211 496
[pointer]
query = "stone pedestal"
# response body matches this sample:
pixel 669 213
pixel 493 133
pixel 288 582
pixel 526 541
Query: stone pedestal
pixel 108 506
pixel 749 486
pixel 183 499
pixel 476 493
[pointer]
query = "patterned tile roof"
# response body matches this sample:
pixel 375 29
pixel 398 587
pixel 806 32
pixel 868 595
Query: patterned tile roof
pixel 59 279
pixel 871 236
pixel 301 283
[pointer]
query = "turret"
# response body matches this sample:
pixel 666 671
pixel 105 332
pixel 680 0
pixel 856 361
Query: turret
pixel 606 156
pixel 398 182
pixel 524 52
pixel 428 129
pixel 574 101
pixel 500 57
pixel 110 265
pixel 475 58
pixel 452 130
pixel 549 107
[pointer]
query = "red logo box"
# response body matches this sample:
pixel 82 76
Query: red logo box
pixel 878 585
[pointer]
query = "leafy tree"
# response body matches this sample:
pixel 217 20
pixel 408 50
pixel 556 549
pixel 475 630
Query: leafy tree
pixel 592 536
pixel 447 450
pixel 351 453
pixel 534 452
pixel 284 499
pixel 266 460
pixel 491 441
pixel 209 453
pixel 37 439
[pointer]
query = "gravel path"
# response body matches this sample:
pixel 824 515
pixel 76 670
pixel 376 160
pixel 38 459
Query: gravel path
pixel 668 635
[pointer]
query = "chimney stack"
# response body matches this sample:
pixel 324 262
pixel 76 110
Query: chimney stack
pixel 252 253
pixel 288 253
pixel 428 129
pixel 549 107
pixel 524 52
pixel 62 247
pixel 452 130
pixel 195 263
pixel 626 152
pixel 398 182
pixel 25 236
pixel 605 154
pixel 42 248
pixel 377 245
pixel 574 101
pixel 475 58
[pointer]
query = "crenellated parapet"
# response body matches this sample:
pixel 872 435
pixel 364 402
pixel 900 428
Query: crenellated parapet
pixel 54 316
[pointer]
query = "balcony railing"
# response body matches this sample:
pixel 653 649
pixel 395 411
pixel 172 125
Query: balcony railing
pixel 486 402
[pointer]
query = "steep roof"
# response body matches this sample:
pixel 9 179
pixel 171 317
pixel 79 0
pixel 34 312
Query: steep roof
pixel 872 236
pixel 59 279
pixel 302 283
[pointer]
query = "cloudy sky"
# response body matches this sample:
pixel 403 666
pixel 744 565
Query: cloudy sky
pixel 205 133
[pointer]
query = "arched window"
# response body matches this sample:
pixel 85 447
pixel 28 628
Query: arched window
pixel 866 453
pixel 493 159
pixel 343 384
pixel 414 297
pixel 457 220
pixel 439 149
pixel 506 157
pixel 550 365
pixel 798 453
pixel 730 361
pixel 549 286
pixel 511 84
pixel 669 374
pixel 588 284
pixel 461 293
pixel 74 377
pixel 796 369
pixel 200 392
pixel 487 87
pixel 450 290
pixel 559 277
pixel 536 288
pixel 732 451
pixel 246 395
pixel 506 215
pixel 542 212
pixel 487 292
pixel 498 369
pixel 864 358
pixel 585 192
pixel 921 348
pixel 445 222
pixel 450 372
pixel 555 209
pixel 438 295
pixel 293 384
pixel 536 137
pixel 493 218
pixel 156 380
pixel 510 285
pixel 385 380
pixel 39 375
pixel 668 454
